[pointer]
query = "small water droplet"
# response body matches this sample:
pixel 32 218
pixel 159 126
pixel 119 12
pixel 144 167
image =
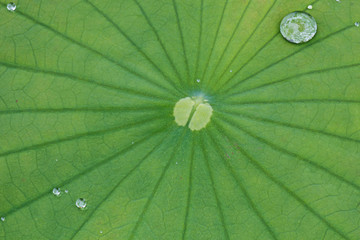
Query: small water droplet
pixel 81 203
pixel 3 219
pixel 357 24
pixel 56 192
pixel 11 6
pixel 339 1
pixel 56 160
pixel 66 191
pixel 230 70
pixel 310 7
pixel 298 27
pixel 132 142
pixel 198 80
pixel 101 231
pixel 177 163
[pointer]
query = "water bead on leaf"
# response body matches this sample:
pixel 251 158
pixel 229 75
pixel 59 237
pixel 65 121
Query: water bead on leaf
pixel 81 203
pixel 298 27
pixel 11 6
pixel 56 192
pixel 2 219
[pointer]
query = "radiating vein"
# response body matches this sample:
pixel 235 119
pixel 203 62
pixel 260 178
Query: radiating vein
pixel 88 217
pixel 292 126
pixel 56 32
pixel 159 40
pixel 73 77
pixel 147 137
pixel 182 39
pixel 115 109
pixel 151 197
pixel 189 195
pixel 131 41
pixel 231 170
pixel 81 135
pixel 219 207
pixel 199 39
pixel 268 175
pixel 246 41
pixel 230 39
pixel 240 82
pixel 292 154
pixel 296 76
pixel 215 39
pixel 295 101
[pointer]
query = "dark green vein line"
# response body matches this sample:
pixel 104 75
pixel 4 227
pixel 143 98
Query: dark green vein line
pixel 81 135
pixel 221 210
pixel 151 197
pixel 200 39
pixel 86 80
pixel 295 77
pixel 240 184
pixel 133 44
pixel 253 56
pixel 246 41
pixel 189 196
pixel 159 40
pixel 88 217
pixel 182 39
pixel 90 110
pixel 296 101
pixel 87 170
pixel 257 165
pixel 292 154
pixel 292 126
pixel 234 86
pixel 215 39
pixel 230 39
pixel 56 32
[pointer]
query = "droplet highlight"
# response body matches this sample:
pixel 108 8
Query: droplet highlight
pixel 357 24
pixel 56 192
pixel 310 7
pixel 298 27
pixel 2 219
pixel 11 7
pixel 198 80
pixel 81 203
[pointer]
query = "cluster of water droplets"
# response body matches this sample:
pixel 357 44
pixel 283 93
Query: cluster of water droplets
pixel 80 202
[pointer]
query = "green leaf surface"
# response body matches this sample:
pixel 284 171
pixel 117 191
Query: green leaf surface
pixel 87 91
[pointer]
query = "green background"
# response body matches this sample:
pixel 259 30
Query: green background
pixel 87 90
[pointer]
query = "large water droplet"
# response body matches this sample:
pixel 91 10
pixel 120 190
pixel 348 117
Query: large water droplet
pixel 11 6
pixel 81 203
pixel 298 27
pixel 2 219
pixel 56 192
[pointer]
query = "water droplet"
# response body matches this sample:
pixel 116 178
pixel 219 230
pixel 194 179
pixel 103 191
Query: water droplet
pixel 132 142
pixel 230 70
pixel 298 27
pixel 339 1
pixel 177 163
pixel 310 7
pixel 66 191
pixel 357 24
pixel 56 192
pixel 101 231
pixel 198 80
pixel 11 6
pixel 56 160
pixel 3 219
pixel 81 203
